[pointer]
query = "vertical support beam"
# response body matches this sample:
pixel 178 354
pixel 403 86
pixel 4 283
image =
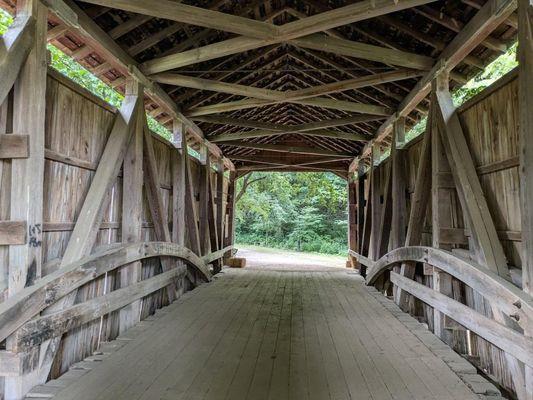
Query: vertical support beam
pixel 178 185
pixel 383 234
pixel 525 99
pixel 441 218
pixel 361 204
pixel 220 203
pixel 398 186
pixel 375 206
pixel 230 210
pixel 352 218
pixel 418 209
pixel 219 212
pixel 203 210
pixel 211 210
pixel 29 103
pixel 132 184
pixel 367 211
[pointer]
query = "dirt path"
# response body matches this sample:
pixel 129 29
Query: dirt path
pixel 266 258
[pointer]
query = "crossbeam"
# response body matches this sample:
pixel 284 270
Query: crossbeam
pixel 286 149
pixel 301 96
pixel 244 123
pixel 307 26
pixel 267 133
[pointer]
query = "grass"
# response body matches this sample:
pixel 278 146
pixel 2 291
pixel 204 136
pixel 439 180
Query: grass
pixel 292 253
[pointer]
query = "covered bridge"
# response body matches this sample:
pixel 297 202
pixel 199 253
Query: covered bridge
pixel 106 228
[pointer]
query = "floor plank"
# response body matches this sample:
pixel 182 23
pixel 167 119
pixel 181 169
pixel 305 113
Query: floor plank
pixel 271 334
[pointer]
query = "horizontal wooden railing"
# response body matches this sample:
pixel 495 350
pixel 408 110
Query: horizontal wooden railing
pixel 508 299
pixel 19 314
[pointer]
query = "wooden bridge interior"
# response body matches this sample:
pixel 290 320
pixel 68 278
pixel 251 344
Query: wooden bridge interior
pixel 106 227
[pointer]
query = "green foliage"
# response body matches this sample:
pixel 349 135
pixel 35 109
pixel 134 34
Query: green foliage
pixel 70 68
pixel 494 71
pixel 294 211
pixel 5 21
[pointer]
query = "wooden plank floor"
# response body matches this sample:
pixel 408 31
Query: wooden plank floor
pixel 267 334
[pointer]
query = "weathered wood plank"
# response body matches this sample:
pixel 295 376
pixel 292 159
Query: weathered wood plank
pixel 525 79
pixel 46 327
pixel 502 337
pixel 132 184
pixel 14 146
pixel 21 307
pixel 13 233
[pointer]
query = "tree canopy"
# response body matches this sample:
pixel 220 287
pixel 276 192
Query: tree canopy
pixel 299 211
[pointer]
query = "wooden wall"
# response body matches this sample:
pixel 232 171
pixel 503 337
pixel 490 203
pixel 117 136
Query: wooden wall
pixel 77 127
pixel 490 124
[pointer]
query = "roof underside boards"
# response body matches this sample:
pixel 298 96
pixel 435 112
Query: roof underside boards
pixel 266 88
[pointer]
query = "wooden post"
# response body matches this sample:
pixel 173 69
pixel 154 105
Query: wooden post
pixel 27 176
pixel 352 218
pixel 178 185
pixel 441 203
pixel 220 203
pixel 398 186
pixel 367 215
pixel 203 210
pixel 375 208
pixel 418 210
pixel 220 211
pixel 525 99
pixel 230 210
pixel 361 204
pixel 132 183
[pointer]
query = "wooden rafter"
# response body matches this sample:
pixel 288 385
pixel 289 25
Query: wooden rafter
pixel 351 13
pixel 285 149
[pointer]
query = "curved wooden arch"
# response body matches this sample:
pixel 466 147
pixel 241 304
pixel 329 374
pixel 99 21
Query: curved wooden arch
pixel 27 303
pixel 503 294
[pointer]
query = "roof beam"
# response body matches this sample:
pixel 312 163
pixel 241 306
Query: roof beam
pixel 364 51
pixel 274 95
pixel 331 123
pixel 286 149
pixel 178 12
pixel 225 137
pixel 488 18
pixel 317 23
pixel 317 42
pixel 303 96
pixel 333 104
